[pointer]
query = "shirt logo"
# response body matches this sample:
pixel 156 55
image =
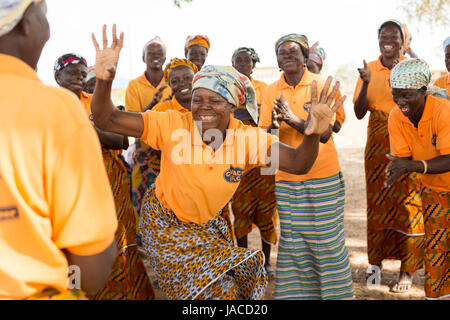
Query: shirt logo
pixel 8 213
pixel 307 106
pixel 433 140
pixel 233 175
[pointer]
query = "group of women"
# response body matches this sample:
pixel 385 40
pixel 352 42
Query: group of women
pixel 266 152
pixel 313 261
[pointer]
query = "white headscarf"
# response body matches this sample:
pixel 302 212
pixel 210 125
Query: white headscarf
pixel 446 43
pixel 11 12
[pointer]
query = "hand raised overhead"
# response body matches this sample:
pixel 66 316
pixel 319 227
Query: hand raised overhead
pixel 321 112
pixel 106 59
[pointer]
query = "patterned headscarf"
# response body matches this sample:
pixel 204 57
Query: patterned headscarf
pixel 176 62
pixel 67 60
pixel 446 43
pixel 317 54
pixel 414 74
pixel 200 40
pixel 11 12
pixel 230 84
pixel 250 51
pixel 157 40
pixel 293 37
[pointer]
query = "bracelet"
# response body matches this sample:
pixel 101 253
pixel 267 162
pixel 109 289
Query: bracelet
pixel 425 166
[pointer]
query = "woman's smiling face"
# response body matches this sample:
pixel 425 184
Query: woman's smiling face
pixel 211 109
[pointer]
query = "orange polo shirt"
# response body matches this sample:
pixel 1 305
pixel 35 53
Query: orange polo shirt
pixel 299 99
pixel 54 191
pixel 444 83
pixel 195 182
pixel 429 140
pixel 379 95
pixel 172 104
pixel 140 93
pixel 260 89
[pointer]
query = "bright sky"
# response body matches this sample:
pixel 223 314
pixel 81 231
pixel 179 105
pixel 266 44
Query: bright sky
pixel 347 29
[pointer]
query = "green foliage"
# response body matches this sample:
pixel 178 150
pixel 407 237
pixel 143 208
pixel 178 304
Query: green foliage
pixel 178 2
pixel 433 12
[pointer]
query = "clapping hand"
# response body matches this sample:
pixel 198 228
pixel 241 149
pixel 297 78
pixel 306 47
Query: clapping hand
pixel 395 169
pixel 321 112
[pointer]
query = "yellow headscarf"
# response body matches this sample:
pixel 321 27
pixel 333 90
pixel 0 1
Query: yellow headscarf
pixel 176 62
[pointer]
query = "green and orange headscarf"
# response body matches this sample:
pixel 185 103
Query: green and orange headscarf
pixel 200 40
pixel 176 62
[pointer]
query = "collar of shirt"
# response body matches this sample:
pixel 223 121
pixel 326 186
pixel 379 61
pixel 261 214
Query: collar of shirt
pixel 17 67
pixel 144 80
pixel 177 106
pixel 306 80
pixel 380 67
pixel 229 139
pixel 448 80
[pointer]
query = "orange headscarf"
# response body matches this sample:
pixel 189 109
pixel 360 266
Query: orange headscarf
pixel 176 62
pixel 202 41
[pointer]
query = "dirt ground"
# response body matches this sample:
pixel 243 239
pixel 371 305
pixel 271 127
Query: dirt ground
pixel 350 144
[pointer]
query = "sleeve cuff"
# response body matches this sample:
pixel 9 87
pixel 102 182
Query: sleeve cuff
pixel 91 249
pixel 445 151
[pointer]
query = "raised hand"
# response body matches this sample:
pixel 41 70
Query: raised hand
pixel 364 72
pixel 106 59
pixel 321 112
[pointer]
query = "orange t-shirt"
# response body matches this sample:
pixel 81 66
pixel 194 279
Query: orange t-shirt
pixel 444 83
pixel 379 94
pixel 260 89
pixel 429 140
pixel 196 182
pixel 299 99
pixel 172 104
pixel 86 99
pixel 54 191
pixel 140 93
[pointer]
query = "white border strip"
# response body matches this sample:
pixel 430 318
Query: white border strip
pixel 408 234
pixel 439 298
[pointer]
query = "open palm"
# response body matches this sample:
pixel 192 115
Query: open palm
pixel 106 59
pixel 321 112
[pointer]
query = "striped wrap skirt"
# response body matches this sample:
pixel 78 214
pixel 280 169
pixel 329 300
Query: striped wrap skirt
pixel 313 261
